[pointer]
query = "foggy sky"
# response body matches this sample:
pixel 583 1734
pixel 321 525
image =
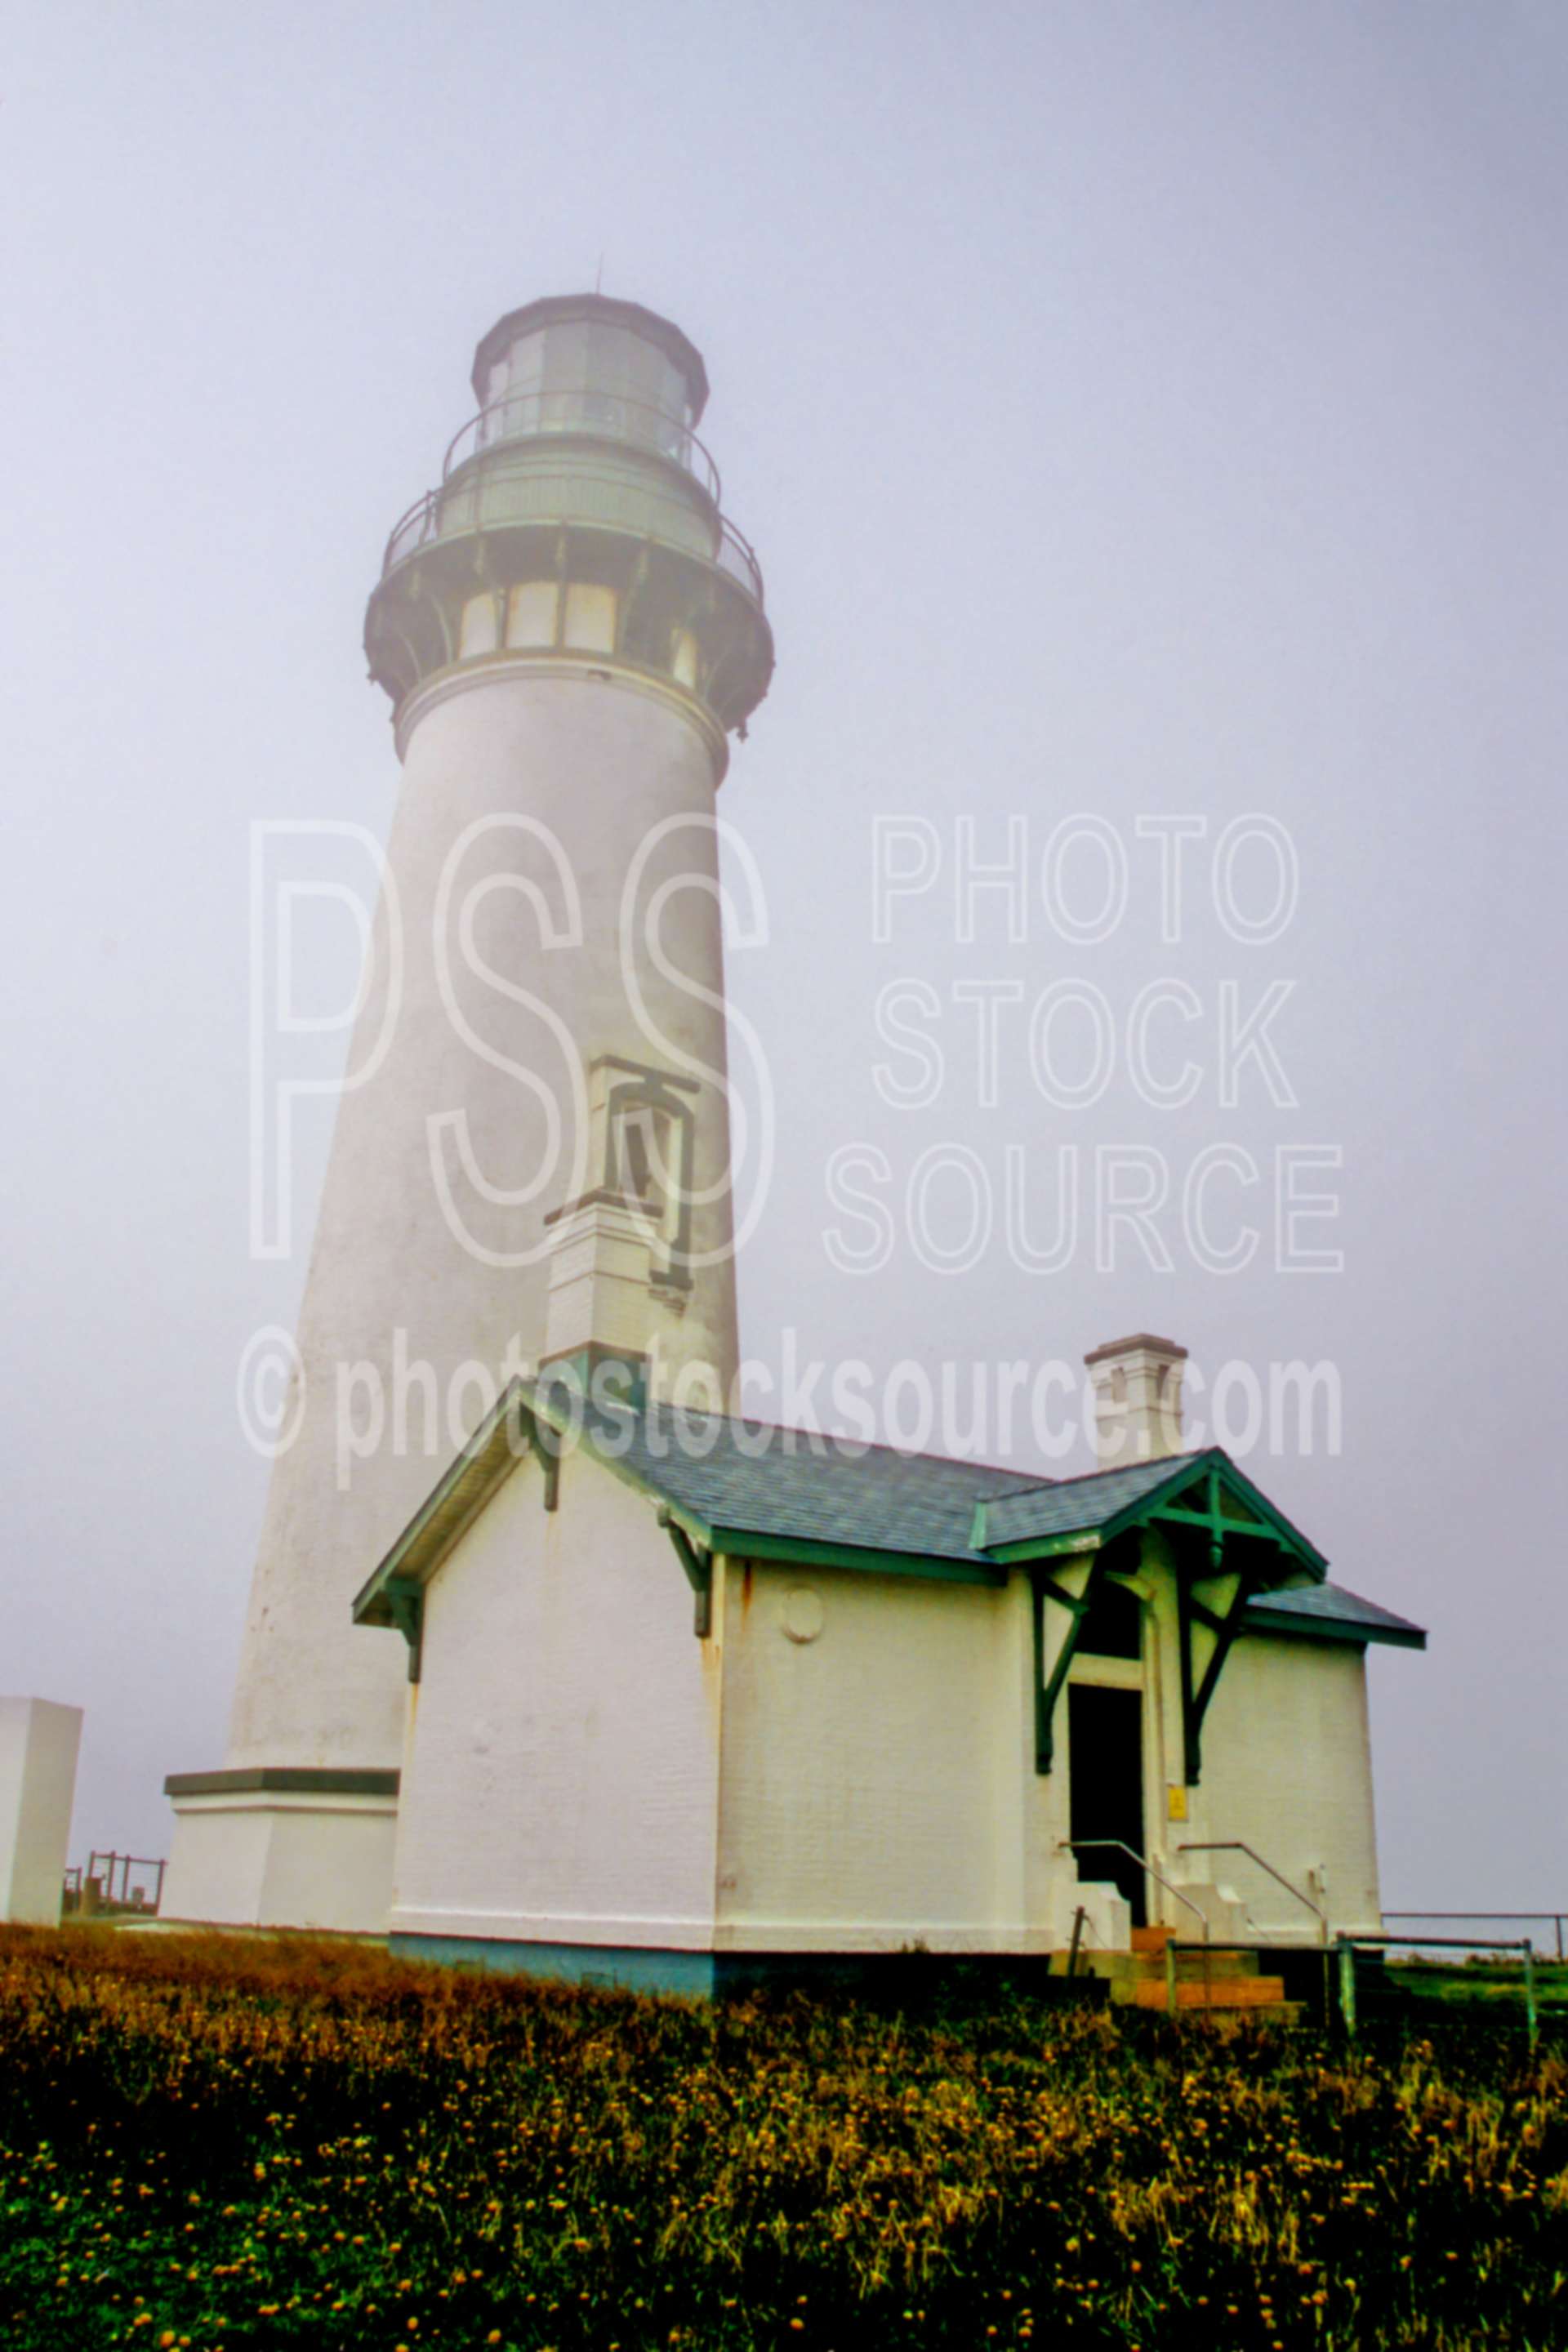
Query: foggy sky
pixel 1136 409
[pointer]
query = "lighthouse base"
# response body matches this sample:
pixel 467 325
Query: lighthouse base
pixel 282 1846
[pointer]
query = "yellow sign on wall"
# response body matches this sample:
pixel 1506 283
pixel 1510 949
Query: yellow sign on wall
pixel 1177 1803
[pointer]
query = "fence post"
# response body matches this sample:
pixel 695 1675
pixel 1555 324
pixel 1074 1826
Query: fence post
pixel 1171 1976
pixel 1347 1987
pixel 1532 2018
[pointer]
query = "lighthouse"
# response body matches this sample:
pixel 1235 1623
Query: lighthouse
pixel 534 1146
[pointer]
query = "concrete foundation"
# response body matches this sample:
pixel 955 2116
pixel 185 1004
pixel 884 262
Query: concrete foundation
pixel 260 1847
pixel 908 1978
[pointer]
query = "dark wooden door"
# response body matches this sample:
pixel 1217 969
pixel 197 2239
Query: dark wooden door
pixel 1105 1760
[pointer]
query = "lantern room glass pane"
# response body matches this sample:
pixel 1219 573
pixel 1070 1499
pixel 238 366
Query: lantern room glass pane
pixel 590 375
pixel 526 363
pixel 512 405
pixel 565 374
pixel 566 356
pixel 610 360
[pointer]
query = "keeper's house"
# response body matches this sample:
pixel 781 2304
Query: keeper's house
pixel 691 1700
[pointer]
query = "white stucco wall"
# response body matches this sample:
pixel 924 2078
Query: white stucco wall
pixel 38 1745
pixel 561 1775
pixel 1288 1768
pixel 873 1790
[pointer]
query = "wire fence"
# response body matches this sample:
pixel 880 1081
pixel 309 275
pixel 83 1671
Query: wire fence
pixel 1501 1956
pixel 110 1881
pixel 1556 1922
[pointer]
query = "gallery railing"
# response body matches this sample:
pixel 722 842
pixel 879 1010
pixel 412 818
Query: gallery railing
pixel 583 415
pixel 601 416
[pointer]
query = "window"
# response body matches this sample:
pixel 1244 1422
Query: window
pixel 478 631
pixel 590 618
pixel 1114 1625
pixel 530 613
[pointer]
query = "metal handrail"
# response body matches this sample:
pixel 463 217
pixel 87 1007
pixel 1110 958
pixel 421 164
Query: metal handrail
pixel 1077 1845
pixel 737 556
pixel 591 409
pixel 1120 1845
pixel 1239 1845
pixel 420 512
pixel 732 553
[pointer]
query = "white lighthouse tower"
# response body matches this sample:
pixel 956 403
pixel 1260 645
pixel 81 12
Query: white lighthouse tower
pixel 568 629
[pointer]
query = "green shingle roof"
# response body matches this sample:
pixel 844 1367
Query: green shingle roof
pixel 731 1480
pixel 1332 1614
pixel 1066 1506
pixel 756 1479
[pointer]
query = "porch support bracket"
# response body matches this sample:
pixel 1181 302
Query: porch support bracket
pixel 1043 1587
pixel 1198 1690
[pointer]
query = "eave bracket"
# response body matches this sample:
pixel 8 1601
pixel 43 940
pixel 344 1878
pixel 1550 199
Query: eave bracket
pixel 407 1604
pixel 699 1569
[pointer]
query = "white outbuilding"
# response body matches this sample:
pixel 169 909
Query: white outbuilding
pixel 693 1700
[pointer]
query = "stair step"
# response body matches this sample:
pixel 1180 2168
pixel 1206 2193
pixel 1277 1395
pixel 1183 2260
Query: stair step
pixel 1152 1939
pixel 1269 2012
pixel 1149 1967
pixel 1221 1992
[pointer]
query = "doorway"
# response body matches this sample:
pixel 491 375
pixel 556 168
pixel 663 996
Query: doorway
pixel 1105 1766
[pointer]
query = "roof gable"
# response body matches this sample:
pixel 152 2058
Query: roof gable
pixel 509 1435
pixel 1204 1491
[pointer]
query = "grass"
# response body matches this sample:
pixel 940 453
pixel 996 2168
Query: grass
pixel 217 2143
pixel 1497 1983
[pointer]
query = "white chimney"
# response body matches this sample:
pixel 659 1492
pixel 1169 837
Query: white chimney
pixel 617 1285
pixel 1137 1385
pixel 599 1300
